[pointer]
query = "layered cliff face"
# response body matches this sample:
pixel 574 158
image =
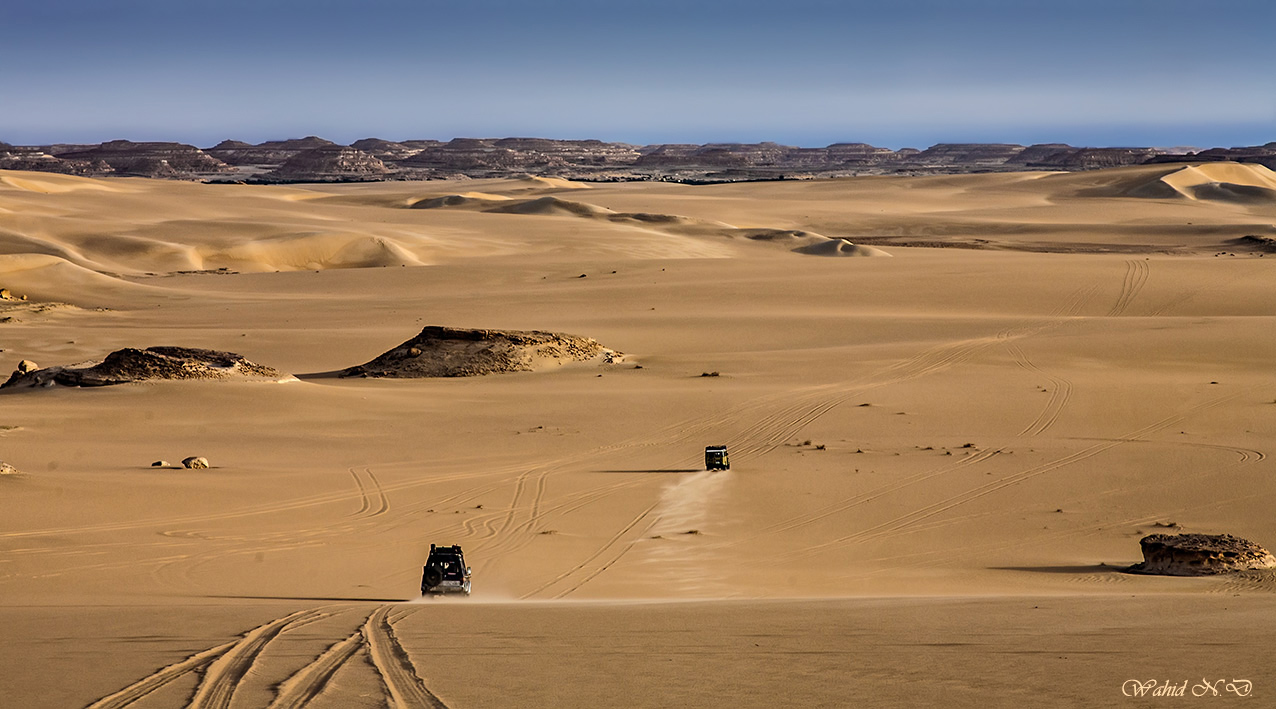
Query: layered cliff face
pixel 1260 154
pixel 386 149
pixel 38 160
pixel 478 154
pixel 151 159
pixel 972 154
pixel 1095 158
pixel 376 158
pixel 272 153
pixel 330 163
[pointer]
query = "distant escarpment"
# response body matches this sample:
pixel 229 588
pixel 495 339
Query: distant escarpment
pixel 134 365
pixel 329 163
pixel 172 160
pixel 453 352
pixel 272 153
pixel 315 159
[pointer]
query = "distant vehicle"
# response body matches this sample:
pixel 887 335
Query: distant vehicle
pixel 445 571
pixel 715 458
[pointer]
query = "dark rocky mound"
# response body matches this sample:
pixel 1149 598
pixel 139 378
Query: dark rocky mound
pixel 271 152
pixel 453 352
pixel 1095 158
pixel 970 154
pixel 39 160
pixel 385 149
pixel 1200 555
pixel 478 154
pixel 330 163
pixel 133 365
pixel 151 159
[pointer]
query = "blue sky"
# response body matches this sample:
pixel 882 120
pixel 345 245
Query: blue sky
pixel 804 72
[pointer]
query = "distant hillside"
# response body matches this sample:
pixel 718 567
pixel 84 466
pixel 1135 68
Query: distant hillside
pixel 315 159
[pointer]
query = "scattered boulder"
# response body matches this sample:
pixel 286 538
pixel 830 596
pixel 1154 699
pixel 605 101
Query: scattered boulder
pixel 26 366
pixel 134 365
pixel 453 352
pixel 1200 555
pixel 195 463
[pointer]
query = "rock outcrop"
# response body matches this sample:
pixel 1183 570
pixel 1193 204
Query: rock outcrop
pixel 1200 555
pixel 454 352
pixel 969 154
pixel 578 159
pixel 271 153
pixel 330 163
pixel 151 159
pixel 1095 158
pixel 36 159
pixel 134 365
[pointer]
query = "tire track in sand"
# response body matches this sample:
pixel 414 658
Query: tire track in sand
pixel 139 689
pixel 1059 394
pixel 407 690
pixel 1136 276
pixel 224 674
pixel 243 648
pixel 307 683
pixel 912 518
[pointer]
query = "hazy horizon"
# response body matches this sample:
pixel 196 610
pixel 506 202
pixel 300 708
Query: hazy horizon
pixel 807 72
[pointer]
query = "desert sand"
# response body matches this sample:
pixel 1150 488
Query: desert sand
pixel 944 450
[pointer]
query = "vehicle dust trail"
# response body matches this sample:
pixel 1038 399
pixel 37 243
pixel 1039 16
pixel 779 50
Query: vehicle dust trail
pixel 306 684
pixel 139 689
pixel 688 509
pixel 224 675
pixel 407 690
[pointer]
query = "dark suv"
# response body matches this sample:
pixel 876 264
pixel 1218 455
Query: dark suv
pixel 715 458
pixel 445 571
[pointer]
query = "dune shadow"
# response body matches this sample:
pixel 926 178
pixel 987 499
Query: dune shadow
pixel 663 470
pixel 1083 569
pixel 334 374
pixel 316 598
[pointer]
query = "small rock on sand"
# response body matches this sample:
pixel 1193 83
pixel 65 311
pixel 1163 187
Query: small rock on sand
pixel 6 469
pixel 195 463
pixel 160 464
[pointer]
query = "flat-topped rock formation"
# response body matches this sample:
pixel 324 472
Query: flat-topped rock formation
pixel 134 365
pixel 1095 158
pixel 454 352
pixel 594 160
pixel 972 154
pixel 271 153
pixel 329 163
pixel 37 159
pixel 1200 555
pixel 173 160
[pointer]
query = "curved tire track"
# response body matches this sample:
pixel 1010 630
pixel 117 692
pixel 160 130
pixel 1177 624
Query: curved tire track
pixel 407 690
pixel 223 675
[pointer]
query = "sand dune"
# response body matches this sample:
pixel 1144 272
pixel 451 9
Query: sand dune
pixel 47 183
pixel 940 460
pixel 552 206
pixel 840 247
pixel 462 200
